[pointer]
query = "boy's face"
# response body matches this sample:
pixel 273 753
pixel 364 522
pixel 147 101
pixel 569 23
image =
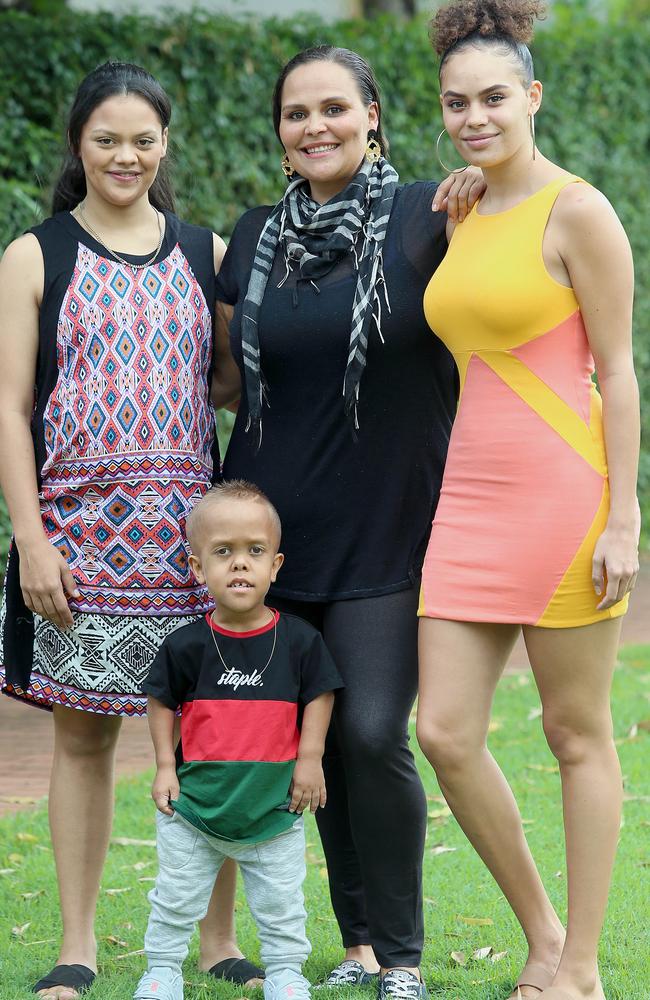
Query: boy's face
pixel 236 553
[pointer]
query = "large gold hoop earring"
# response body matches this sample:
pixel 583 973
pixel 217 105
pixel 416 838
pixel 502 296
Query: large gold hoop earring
pixel 448 170
pixel 531 118
pixel 287 169
pixel 373 147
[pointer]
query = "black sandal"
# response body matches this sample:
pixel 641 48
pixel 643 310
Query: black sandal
pixel 236 970
pixel 76 977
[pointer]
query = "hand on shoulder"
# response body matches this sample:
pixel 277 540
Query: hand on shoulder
pixel 458 193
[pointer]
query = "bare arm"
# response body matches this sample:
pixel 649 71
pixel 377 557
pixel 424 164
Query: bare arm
pixel 308 785
pixel 44 574
pixel 226 379
pixel 597 256
pixel 161 726
pixel 218 251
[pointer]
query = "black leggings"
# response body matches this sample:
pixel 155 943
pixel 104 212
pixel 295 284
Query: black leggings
pixel 374 823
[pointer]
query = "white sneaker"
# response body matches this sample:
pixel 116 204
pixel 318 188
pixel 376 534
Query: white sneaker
pixel 286 985
pixel 160 983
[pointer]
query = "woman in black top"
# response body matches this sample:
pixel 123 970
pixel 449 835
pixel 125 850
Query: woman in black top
pixel 344 422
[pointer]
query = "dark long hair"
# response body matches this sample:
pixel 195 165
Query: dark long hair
pixel 112 79
pixel 353 62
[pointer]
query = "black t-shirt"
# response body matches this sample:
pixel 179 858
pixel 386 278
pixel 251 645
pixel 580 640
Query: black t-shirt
pixel 356 514
pixel 241 695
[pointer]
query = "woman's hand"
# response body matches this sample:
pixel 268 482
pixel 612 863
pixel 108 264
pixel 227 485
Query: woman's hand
pixel 46 582
pixel 458 193
pixel 616 562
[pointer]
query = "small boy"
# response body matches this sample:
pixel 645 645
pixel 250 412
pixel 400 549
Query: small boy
pixel 243 772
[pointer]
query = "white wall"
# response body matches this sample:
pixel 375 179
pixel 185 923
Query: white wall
pixel 330 10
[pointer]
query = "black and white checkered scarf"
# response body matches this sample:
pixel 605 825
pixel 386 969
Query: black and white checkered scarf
pixel 314 237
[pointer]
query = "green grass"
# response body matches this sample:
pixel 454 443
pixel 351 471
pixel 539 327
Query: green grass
pixel 458 891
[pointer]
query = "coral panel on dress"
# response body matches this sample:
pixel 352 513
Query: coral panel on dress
pixel 525 492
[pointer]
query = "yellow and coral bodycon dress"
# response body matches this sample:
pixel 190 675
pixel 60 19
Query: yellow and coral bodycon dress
pixel 525 492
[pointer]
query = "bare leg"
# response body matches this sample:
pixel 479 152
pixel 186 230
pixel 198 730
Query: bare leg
pixel 573 669
pixel 363 954
pixel 217 929
pixel 81 814
pixel 218 937
pixel 460 664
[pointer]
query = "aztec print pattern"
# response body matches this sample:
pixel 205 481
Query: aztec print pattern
pixel 45 693
pixel 128 433
pixel 86 666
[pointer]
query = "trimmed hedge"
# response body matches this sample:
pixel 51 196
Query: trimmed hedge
pixel 220 72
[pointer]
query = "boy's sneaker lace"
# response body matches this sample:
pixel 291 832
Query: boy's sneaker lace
pixel 286 985
pixel 398 984
pixel 161 983
pixel 349 973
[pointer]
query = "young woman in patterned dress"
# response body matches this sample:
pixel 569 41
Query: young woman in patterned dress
pixel 106 440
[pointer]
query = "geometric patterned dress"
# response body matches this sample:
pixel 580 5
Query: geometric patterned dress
pixel 525 493
pixel 124 438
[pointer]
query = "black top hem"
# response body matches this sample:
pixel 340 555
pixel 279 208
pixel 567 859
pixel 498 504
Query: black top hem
pixel 344 595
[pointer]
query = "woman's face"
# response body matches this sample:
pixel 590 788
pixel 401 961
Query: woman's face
pixel 324 125
pixel 121 146
pixel 486 108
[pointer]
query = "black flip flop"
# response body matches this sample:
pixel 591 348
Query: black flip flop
pixel 77 977
pixel 236 970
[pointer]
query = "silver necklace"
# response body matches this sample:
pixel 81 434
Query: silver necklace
pixel 114 253
pixel 231 669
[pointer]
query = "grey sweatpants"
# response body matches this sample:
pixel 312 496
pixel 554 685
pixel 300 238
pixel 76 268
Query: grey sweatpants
pixel 189 862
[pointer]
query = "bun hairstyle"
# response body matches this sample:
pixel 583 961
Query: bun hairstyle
pixel 112 79
pixel 353 62
pixel 504 24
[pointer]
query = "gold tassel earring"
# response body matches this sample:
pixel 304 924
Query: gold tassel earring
pixel 373 147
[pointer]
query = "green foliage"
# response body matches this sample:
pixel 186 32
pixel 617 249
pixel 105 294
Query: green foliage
pixel 220 72
pixel 630 8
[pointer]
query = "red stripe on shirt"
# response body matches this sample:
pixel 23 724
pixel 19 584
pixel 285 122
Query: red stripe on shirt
pixel 239 730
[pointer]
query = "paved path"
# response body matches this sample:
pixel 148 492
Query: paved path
pixel 26 732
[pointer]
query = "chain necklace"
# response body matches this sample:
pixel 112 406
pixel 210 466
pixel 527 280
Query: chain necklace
pixel 241 677
pixel 114 253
